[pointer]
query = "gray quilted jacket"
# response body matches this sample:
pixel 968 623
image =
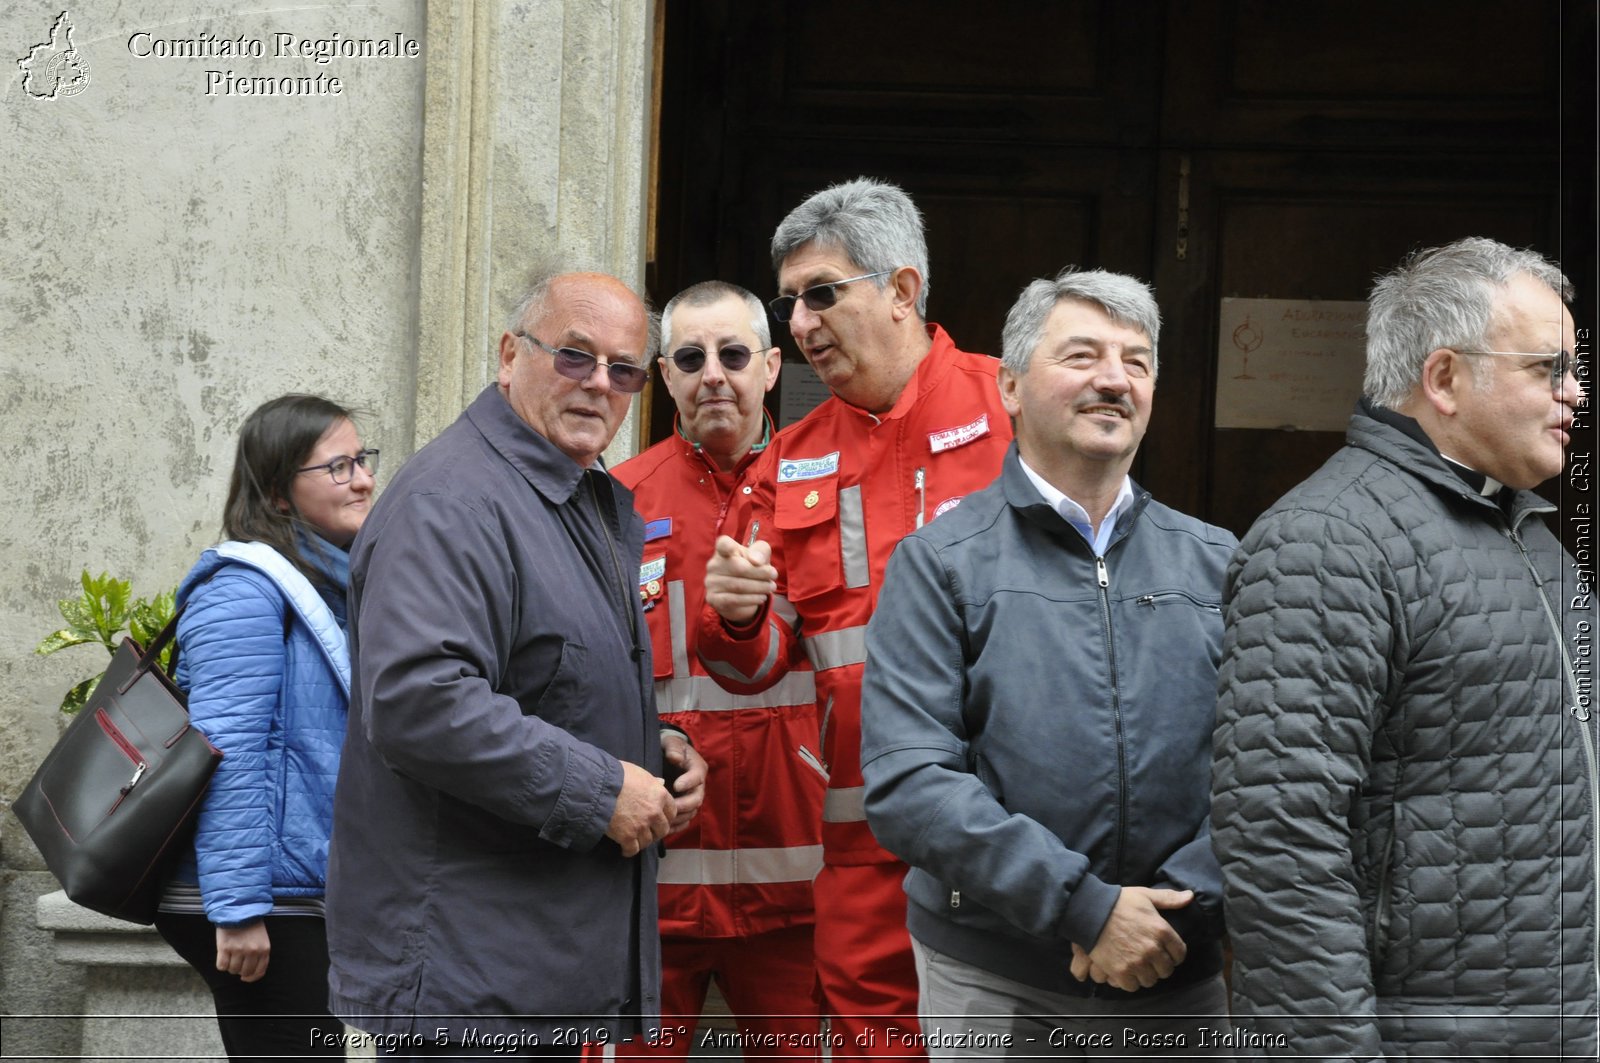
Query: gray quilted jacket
pixel 1403 802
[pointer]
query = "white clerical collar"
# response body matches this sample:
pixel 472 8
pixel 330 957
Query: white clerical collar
pixel 1491 486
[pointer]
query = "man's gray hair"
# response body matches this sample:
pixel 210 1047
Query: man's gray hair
pixel 1126 300
pixel 707 293
pixel 873 222
pixel 530 308
pixel 1440 297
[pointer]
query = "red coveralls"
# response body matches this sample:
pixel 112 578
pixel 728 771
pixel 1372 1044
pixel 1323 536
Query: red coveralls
pixel 833 494
pixel 735 885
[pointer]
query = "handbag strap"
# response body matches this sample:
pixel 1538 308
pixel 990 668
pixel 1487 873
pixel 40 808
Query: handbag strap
pixel 152 654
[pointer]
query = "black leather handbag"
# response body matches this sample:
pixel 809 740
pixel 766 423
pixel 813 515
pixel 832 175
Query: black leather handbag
pixel 113 803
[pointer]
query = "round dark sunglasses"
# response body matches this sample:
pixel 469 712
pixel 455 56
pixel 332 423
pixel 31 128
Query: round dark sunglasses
pixel 733 356
pixel 578 365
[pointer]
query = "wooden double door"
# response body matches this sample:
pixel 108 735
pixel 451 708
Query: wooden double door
pixel 1224 149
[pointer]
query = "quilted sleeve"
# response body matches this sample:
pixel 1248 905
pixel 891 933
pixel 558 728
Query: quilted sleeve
pixel 231 632
pixel 1312 619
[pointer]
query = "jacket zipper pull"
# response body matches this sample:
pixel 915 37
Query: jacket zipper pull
pixel 1533 570
pixel 955 898
pixel 922 494
pixel 1100 572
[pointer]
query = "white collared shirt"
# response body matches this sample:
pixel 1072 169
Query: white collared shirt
pixel 1077 516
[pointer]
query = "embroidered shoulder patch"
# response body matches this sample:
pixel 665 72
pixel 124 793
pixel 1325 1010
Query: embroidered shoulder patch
pixel 791 470
pixel 650 570
pixel 947 505
pixel 951 438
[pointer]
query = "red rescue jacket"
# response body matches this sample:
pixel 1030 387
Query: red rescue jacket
pixel 744 865
pixel 834 493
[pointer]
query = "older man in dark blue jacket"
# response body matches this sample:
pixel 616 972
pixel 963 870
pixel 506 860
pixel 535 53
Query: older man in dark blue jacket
pixel 492 877
pixel 1036 717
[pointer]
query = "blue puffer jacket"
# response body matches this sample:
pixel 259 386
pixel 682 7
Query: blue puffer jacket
pixel 265 664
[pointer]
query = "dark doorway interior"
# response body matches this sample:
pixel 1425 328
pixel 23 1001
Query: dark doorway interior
pixel 1225 149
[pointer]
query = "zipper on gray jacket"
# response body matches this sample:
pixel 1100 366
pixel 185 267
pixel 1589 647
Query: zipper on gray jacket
pixel 1103 577
pixel 1580 716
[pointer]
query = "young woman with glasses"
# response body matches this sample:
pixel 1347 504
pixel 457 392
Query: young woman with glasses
pixel 262 655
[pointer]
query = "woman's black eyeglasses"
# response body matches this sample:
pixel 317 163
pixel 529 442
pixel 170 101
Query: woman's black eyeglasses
pixel 342 468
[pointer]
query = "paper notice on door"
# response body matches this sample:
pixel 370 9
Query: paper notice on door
pixel 1289 363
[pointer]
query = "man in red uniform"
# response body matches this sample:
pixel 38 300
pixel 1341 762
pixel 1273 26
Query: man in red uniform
pixel 913 425
pixel 735 887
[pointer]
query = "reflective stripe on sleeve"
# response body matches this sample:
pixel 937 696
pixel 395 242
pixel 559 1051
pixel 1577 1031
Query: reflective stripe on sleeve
pixel 846 804
pixel 784 610
pixel 728 671
pixel 835 649
pixel 700 693
pixel 853 537
pixel 717 867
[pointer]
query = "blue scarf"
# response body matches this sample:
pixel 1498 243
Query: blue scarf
pixel 333 565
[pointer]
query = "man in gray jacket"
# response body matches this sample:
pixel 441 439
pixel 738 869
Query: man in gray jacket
pixel 491 885
pixel 1037 715
pixel 1403 794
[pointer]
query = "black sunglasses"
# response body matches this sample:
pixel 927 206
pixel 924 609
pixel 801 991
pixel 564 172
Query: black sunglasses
pixel 578 365
pixel 733 356
pixel 817 298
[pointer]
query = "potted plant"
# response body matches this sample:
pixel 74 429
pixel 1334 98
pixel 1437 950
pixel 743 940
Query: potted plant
pixel 99 615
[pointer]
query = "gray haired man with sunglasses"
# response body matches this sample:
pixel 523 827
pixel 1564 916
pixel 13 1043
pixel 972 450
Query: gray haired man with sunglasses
pixel 913 425
pixel 502 793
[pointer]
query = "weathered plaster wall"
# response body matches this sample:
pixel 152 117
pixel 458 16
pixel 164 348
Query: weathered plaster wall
pixel 169 260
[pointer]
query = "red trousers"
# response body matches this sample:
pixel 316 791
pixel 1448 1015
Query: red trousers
pixel 864 961
pixel 769 981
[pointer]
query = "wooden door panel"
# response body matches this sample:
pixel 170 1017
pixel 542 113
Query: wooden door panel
pixel 1285 227
pixel 1462 74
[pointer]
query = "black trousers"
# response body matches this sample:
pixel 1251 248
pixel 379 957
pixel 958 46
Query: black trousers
pixel 285 1011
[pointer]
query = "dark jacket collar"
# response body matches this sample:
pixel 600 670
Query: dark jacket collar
pixel 1025 498
pixel 1401 441
pixel 547 470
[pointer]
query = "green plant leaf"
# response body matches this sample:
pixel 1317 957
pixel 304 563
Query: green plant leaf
pixel 107 600
pixel 98 615
pixel 147 619
pixel 78 696
pixel 75 611
pixel 60 640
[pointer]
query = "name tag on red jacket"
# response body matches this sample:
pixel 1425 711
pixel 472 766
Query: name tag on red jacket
pixel 951 438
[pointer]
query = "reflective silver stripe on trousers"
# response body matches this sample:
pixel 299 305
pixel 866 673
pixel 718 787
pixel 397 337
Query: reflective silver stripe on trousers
pixel 700 693
pixel 678 626
pixel 835 649
pixel 847 804
pixel 718 867
pixel 853 537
